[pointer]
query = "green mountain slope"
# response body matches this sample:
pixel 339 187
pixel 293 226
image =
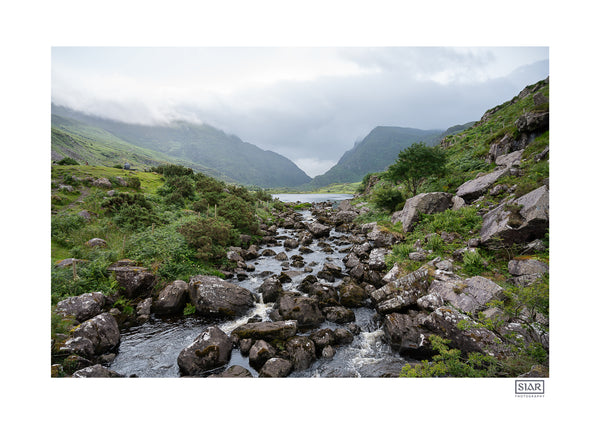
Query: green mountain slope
pixel 84 143
pixel 374 153
pixel 205 146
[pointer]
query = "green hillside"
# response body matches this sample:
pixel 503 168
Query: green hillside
pixel 84 143
pixel 204 146
pixel 374 153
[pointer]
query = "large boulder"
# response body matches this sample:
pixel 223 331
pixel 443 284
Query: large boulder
pixel 94 337
pixel 381 237
pixel 267 330
pixel 464 333
pixel 377 258
pixel 216 297
pixel 472 189
pixel 301 351
pixel 401 290
pixel 352 295
pixel 520 221
pixel 426 203
pixel 403 332
pixel 234 371
pixel 527 271
pixel 318 230
pixel 533 122
pixel 133 280
pixel 304 310
pixel 210 350
pixel 260 352
pixel 171 299
pixel 470 295
pixel 339 314
pixel 276 368
pixel 271 289
pixel 82 307
pixel 96 371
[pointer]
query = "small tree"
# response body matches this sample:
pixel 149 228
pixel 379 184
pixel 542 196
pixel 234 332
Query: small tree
pixel 415 164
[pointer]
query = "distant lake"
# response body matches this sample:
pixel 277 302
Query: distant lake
pixel 312 197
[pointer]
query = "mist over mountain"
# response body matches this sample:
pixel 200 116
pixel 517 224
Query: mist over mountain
pixel 203 145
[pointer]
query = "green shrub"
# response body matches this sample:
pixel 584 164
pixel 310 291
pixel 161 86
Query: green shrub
pixel 63 226
pixel 450 363
pixel 388 197
pixel 239 213
pixel 67 161
pixel 130 211
pixel 473 263
pixel 209 236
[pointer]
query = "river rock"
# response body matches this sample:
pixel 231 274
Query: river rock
pixel 290 243
pixel 301 351
pixel 96 371
pixel 134 281
pixel 234 371
pixel 426 203
pixel 171 299
pixel 82 307
pixel 143 309
pixel 520 221
pixel 260 353
pixel 352 295
pixel 330 272
pixel 344 217
pixel 342 336
pixel 318 230
pixel 339 314
pixel 322 338
pixel 214 296
pixel 381 238
pixel 377 258
pixel 95 336
pixel 271 289
pixel 304 310
pixel 403 332
pixel 267 330
pixel 210 350
pixel 268 252
pixel 276 368
pixel 470 295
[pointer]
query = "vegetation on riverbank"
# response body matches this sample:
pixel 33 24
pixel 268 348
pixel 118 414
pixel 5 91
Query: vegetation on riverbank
pixel 445 234
pixel 173 221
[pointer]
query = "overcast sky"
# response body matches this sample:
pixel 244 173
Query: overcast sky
pixel 308 104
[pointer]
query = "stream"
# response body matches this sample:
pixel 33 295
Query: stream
pixel 151 349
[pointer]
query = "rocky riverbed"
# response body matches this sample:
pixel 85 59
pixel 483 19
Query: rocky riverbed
pixel 315 299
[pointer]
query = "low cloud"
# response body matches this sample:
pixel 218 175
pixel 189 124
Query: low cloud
pixel 311 117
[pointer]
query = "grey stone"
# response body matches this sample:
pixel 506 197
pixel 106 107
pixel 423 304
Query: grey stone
pixel 276 368
pixel 171 299
pixel 472 189
pixel 82 307
pixel 470 295
pixel 214 296
pixel 426 203
pixel 211 349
